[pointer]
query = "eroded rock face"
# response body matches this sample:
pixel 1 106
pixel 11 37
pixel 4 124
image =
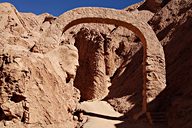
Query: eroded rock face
pixel 153 5
pixel 153 55
pixel 174 30
pixel 169 24
pixel 92 78
pixel 99 48
pixel 38 63
pixel 38 89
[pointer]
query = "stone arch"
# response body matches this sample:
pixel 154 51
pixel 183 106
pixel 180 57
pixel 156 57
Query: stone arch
pixel 153 57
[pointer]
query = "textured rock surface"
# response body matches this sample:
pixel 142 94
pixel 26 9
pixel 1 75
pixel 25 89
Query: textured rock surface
pixel 37 71
pixel 153 5
pixel 36 90
pixel 154 61
pixel 112 42
pixel 174 32
pixel 169 24
pixel 91 50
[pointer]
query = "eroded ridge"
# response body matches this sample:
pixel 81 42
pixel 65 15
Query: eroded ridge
pixel 153 57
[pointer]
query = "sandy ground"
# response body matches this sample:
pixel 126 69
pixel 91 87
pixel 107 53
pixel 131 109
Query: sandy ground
pixel 100 115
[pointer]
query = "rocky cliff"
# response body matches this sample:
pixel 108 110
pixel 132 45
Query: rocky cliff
pixel 45 72
pixel 172 25
pixel 36 88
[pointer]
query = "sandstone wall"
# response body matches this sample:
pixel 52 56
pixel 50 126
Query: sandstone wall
pixel 36 89
pixel 38 64
pixel 172 25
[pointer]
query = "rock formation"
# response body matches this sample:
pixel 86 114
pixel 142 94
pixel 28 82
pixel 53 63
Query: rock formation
pixel 36 90
pixel 153 55
pixel 168 23
pixel 48 64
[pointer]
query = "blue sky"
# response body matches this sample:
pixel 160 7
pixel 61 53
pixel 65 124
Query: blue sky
pixel 57 7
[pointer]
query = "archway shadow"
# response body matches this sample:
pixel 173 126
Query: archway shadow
pixel 103 116
pixel 126 122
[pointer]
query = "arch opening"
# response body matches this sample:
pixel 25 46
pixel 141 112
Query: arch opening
pixel 153 55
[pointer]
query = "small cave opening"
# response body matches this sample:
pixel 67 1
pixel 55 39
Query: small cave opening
pixel 8 79
pixel 17 98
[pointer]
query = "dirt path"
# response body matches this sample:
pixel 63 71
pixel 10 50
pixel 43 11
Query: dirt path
pixel 100 115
